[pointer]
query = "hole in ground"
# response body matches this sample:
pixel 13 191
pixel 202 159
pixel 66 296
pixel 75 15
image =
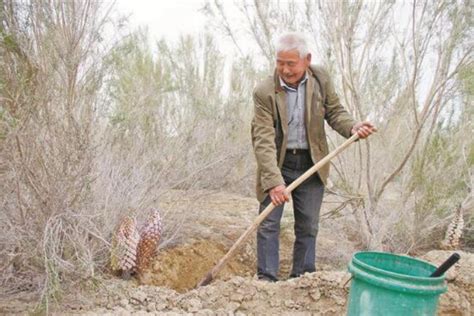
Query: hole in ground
pixel 183 266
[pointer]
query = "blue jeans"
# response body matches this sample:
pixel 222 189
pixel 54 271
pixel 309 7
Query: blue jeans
pixel 307 199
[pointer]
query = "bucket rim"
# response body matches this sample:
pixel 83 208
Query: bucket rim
pixel 428 279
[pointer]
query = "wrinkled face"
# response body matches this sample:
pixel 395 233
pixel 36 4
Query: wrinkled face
pixel 291 67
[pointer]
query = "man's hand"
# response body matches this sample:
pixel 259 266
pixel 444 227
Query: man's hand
pixel 278 195
pixel 363 129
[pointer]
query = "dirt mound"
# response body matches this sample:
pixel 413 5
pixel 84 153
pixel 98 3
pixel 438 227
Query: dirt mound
pixel 320 293
pixel 182 267
pixel 216 221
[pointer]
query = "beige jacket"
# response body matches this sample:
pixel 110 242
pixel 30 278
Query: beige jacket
pixel 270 125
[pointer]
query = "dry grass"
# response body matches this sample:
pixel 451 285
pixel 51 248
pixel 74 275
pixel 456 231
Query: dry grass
pixel 92 129
pixel 68 171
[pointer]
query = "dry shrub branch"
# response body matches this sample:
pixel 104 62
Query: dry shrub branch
pixel 92 130
pixel 51 72
pixel 408 68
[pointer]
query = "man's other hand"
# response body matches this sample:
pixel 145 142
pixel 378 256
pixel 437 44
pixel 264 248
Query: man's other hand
pixel 363 129
pixel 278 195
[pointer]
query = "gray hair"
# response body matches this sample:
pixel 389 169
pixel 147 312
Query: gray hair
pixel 290 41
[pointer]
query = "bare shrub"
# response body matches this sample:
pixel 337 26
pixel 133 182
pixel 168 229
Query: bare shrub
pixel 51 72
pixel 182 111
pixel 397 64
pixel 89 135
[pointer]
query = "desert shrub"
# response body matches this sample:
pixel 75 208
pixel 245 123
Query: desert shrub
pixel 94 129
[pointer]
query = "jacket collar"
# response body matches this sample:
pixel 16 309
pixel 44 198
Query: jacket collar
pixel 276 78
pixel 312 88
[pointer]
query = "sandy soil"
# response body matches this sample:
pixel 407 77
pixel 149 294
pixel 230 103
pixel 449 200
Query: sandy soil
pixel 181 268
pixel 213 222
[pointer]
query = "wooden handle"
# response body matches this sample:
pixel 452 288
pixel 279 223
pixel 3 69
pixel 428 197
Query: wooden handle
pixel 218 267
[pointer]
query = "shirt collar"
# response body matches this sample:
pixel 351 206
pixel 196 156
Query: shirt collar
pixel 284 85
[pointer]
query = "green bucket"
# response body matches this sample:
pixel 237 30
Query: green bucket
pixel 388 284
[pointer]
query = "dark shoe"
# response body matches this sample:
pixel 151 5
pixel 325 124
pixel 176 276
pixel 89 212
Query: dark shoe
pixel 292 276
pixel 267 278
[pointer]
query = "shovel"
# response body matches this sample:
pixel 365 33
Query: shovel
pixel 218 267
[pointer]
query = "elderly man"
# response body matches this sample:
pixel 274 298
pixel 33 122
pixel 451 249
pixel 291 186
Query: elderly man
pixel 288 138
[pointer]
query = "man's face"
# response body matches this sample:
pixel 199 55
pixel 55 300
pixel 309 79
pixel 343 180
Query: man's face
pixel 291 67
